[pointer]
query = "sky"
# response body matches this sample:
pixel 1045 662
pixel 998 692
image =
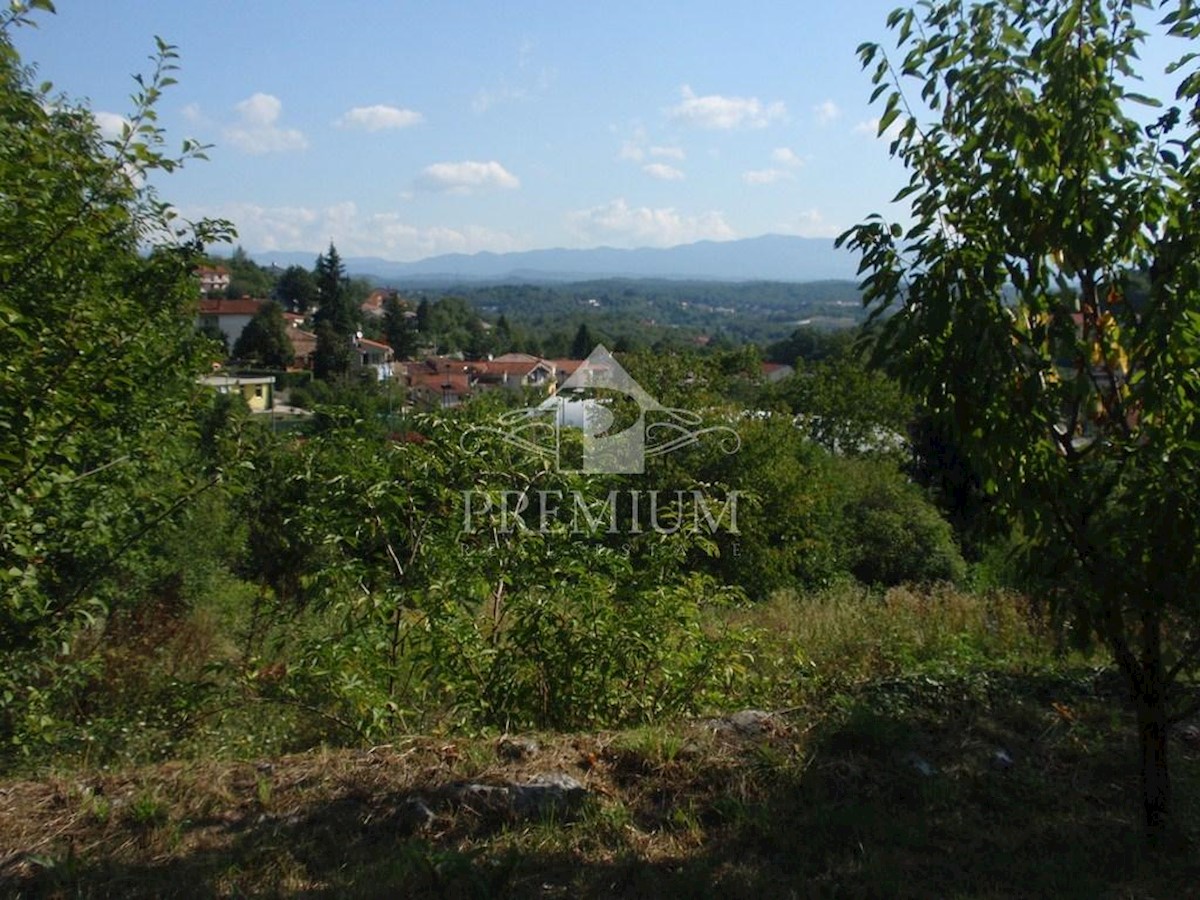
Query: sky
pixel 405 130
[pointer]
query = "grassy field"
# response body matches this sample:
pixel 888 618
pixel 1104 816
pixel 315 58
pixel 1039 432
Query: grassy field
pixel 922 744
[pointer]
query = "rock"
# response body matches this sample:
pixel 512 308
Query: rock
pixel 554 794
pixel 750 721
pixel 414 815
pixel 922 765
pixel 746 722
pixel 1189 736
pixel 551 794
pixel 511 747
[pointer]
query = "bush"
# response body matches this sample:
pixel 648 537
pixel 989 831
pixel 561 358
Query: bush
pixel 893 534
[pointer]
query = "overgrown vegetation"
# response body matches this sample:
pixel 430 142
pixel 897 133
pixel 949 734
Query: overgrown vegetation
pixel 802 648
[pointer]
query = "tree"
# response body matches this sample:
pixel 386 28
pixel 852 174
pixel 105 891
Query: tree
pixel 1036 200
pixel 424 314
pixel 98 380
pixel 332 354
pixel 583 344
pixel 847 407
pixel 296 289
pixel 246 277
pixel 333 291
pixel 398 328
pixel 503 335
pixel 265 339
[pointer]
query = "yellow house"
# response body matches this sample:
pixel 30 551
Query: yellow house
pixel 259 390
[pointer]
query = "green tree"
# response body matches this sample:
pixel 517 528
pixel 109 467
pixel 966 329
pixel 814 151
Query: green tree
pixel 210 330
pixel 1035 197
pixel 583 343
pixel 398 328
pixel 246 277
pixel 332 355
pixel 333 291
pixel 849 408
pixel 503 335
pixel 296 289
pixel 97 380
pixel 424 314
pixel 265 339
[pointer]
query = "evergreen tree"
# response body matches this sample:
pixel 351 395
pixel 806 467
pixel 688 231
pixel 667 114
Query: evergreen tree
pixel 583 344
pixel 503 335
pixel 337 308
pixel 332 356
pixel 423 316
pixel 398 328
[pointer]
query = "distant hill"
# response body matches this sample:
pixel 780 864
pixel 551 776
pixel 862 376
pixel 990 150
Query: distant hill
pixel 768 258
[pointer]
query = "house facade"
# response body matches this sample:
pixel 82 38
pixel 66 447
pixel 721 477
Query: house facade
pixel 231 316
pixel 214 280
pixel 441 381
pixel 258 390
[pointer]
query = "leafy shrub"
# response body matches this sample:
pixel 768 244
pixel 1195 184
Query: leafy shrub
pixel 893 534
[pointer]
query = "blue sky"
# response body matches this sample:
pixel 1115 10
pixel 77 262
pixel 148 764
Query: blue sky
pixel 405 130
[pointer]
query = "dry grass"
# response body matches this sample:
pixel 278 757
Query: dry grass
pixel 825 803
pixel 288 825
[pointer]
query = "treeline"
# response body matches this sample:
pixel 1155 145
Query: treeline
pixel 641 313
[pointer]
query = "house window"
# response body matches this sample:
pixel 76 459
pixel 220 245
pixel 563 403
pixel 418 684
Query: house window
pixel 258 391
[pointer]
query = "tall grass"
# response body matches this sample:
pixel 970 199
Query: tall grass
pixel 851 633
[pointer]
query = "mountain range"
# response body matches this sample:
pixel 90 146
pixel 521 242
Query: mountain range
pixel 771 257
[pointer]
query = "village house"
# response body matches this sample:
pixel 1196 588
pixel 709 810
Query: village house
pixel 258 390
pixel 374 357
pixel 440 382
pixel 231 316
pixel 214 280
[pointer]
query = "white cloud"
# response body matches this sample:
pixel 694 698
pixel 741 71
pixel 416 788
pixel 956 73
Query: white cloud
pixel 379 117
pixel 466 177
pixel 786 156
pixel 631 150
pixel 489 97
pixel 257 131
pixel 725 113
pixel 528 84
pixel 809 223
pixel 826 111
pixel 668 152
pixel 663 172
pixel 618 222
pixel 385 234
pixel 766 176
pixel 111 124
pixel 786 161
pixel 191 112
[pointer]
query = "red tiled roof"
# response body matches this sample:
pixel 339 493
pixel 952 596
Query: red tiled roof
pixel 507 366
pixel 219 306
pixel 566 366
pixel 458 382
pixel 378 346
